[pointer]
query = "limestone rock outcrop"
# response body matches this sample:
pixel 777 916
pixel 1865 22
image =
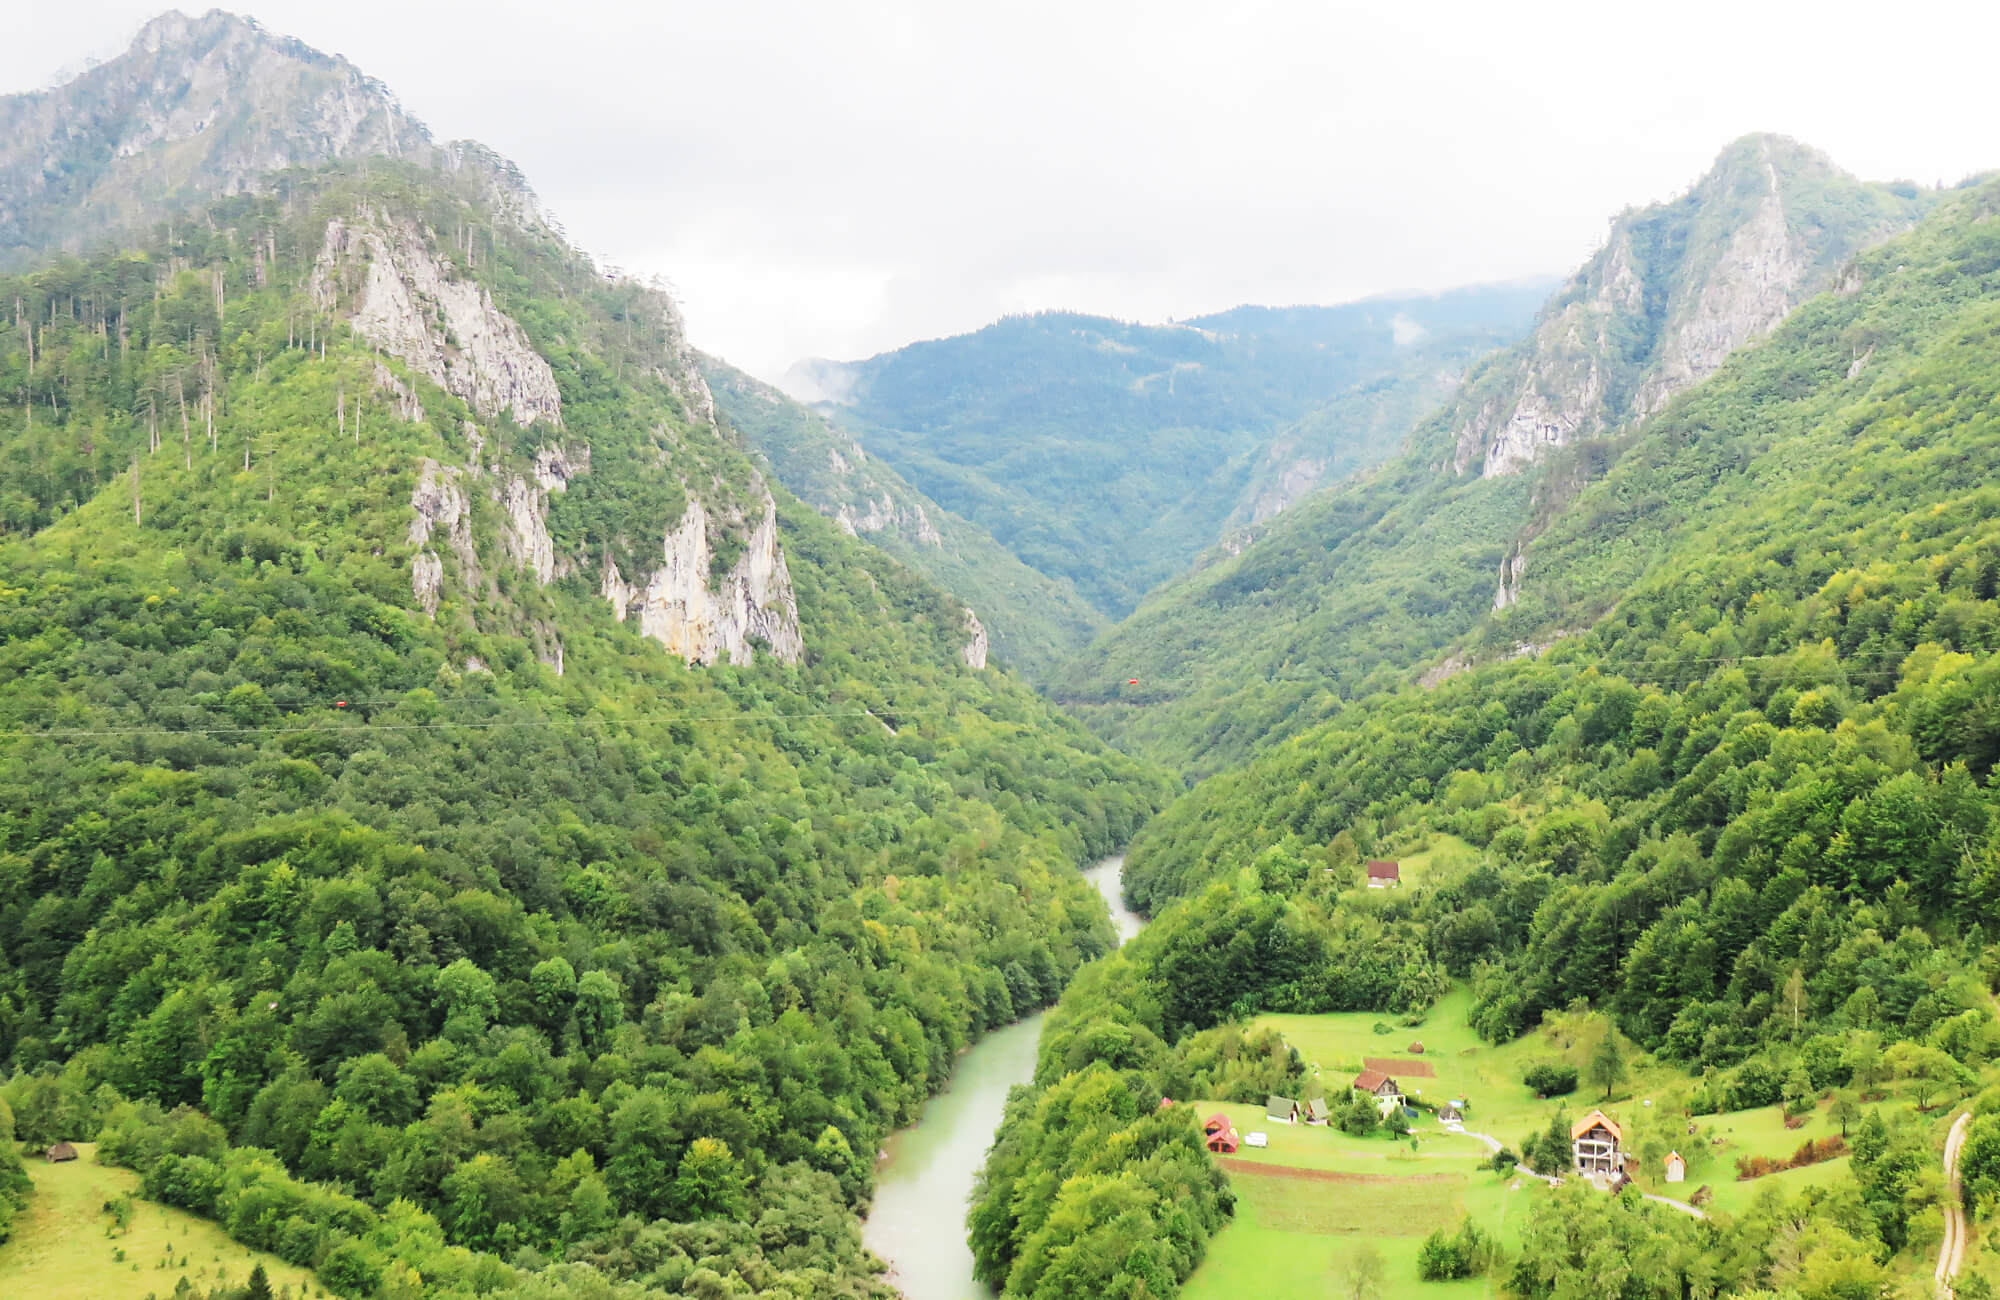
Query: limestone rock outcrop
pixel 440 506
pixel 676 606
pixel 445 327
pixel 974 649
pixel 1676 289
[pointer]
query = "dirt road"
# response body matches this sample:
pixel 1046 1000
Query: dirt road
pixel 1951 1253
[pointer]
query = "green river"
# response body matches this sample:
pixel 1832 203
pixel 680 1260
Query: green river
pixel 921 1187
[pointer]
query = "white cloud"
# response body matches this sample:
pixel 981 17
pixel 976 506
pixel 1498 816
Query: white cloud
pixel 836 178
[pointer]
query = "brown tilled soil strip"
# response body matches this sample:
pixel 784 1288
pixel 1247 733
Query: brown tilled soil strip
pixel 1325 1175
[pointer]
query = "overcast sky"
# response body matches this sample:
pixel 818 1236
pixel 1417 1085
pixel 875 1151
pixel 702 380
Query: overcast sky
pixel 831 178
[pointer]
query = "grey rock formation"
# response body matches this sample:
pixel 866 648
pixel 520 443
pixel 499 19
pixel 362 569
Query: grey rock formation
pixel 1675 290
pixel 676 607
pixel 445 327
pixel 440 506
pixel 526 530
pixel 1510 580
pixel 974 649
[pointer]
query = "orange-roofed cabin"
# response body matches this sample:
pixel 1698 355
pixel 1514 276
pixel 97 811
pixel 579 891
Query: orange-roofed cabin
pixel 1593 1142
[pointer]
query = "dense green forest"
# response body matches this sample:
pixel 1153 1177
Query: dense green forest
pixel 382 878
pixel 498 951
pixel 1353 589
pixel 1109 454
pixel 1748 812
pixel 1034 620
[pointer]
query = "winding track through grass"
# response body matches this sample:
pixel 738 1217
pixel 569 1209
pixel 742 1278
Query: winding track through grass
pixel 1951 1252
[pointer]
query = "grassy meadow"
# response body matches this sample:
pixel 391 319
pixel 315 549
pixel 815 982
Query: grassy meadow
pixel 68 1246
pixel 1294 1234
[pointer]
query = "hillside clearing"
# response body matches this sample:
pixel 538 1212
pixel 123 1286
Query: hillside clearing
pixel 64 1247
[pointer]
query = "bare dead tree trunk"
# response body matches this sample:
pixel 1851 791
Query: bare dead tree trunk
pixel 137 518
pixel 180 395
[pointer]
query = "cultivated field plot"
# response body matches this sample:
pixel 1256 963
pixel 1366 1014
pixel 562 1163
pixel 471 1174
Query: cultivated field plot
pixel 1325 1202
pixel 61 1250
pixel 1296 1229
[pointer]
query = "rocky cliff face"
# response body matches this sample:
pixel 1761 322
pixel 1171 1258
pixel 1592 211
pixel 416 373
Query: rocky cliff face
pixel 675 605
pixel 385 274
pixel 676 602
pixel 1558 390
pixel 1676 288
pixel 440 506
pixel 407 301
pixel 974 650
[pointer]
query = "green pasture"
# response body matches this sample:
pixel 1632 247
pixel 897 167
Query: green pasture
pixel 1294 1237
pixel 68 1247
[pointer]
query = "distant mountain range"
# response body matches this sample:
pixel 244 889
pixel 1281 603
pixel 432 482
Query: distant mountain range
pixel 1109 455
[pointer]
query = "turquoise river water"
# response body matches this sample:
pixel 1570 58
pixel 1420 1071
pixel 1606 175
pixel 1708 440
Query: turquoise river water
pixel 921 1187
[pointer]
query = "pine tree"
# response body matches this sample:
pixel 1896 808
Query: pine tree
pixel 1607 1065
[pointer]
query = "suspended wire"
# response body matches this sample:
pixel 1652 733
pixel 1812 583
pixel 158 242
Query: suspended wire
pixel 494 724
pixel 1650 671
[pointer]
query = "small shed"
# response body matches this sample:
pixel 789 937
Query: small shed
pixel 1383 874
pixel 1449 1113
pixel 1315 1111
pixel 1281 1110
pixel 60 1152
pixel 1166 1103
pixel 1677 1168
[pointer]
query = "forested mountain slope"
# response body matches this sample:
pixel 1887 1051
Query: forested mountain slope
pixel 1747 814
pixel 1359 585
pixel 1789 579
pixel 1110 454
pixel 1032 619
pixel 430 749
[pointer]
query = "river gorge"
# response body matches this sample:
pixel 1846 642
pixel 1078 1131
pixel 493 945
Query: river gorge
pixel 923 1183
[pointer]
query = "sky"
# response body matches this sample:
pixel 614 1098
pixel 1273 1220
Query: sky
pixel 838 179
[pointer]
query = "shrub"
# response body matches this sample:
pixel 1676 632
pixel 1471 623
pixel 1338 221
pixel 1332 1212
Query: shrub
pixel 1467 1252
pixel 1551 1079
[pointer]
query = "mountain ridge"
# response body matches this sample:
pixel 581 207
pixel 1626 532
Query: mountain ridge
pixel 201 108
pixel 1374 579
pixel 1112 454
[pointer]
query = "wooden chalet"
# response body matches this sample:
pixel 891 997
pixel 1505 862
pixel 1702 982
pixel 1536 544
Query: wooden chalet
pixel 1594 1141
pixel 1281 1110
pixel 1315 1111
pixel 1384 874
pixel 1221 1134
